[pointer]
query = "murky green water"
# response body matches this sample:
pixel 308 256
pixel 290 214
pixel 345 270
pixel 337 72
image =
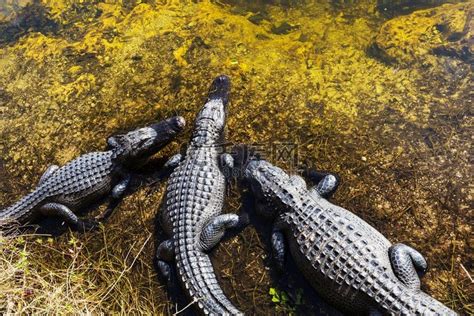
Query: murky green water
pixel 381 96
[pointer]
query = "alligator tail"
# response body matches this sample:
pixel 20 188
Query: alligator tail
pixel 20 211
pixel 427 305
pixel 197 275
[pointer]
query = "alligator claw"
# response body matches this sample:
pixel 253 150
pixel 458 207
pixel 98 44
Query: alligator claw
pixel 87 225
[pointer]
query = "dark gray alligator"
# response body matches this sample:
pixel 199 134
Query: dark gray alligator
pixel 346 260
pixel 62 191
pixel 191 213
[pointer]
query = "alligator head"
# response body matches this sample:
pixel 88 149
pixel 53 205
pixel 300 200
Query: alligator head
pixel 210 121
pixel 136 146
pixel 270 185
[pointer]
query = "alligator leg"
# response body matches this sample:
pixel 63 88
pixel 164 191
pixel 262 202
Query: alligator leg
pixel 227 165
pixel 278 247
pixel 68 216
pixel 167 168
pixel 164 262
pixel 51 169
pixel 215 229
pixel 152 178
pixel 407 264
pixel 327 184
pixel 119 189
pixel 116 196
pixel 165 255
pixel 172 162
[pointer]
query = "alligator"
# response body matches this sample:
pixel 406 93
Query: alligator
pixel 191 211
pixel 346 260
pixel 65 191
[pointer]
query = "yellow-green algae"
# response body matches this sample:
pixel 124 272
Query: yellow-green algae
pixel 392 121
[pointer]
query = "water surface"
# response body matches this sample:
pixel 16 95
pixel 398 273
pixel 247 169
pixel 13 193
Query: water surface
pixel 378 95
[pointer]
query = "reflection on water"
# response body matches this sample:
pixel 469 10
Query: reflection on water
pixel 378 92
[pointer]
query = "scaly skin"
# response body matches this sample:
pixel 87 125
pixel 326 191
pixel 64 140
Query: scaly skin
pixel 62 191
pixel 191 215
pixel 345 259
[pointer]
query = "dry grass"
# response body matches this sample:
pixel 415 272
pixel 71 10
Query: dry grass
pixel 92 273
pixel 87 283
pixel 399 137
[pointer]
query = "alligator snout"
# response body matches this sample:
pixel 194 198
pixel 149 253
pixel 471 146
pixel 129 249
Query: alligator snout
pixel 220 89
pixel 178 123
pixel 170 126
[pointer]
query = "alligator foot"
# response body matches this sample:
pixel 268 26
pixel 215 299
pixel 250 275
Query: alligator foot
pixel 167 168
pixel 278 247
pixel 167 275
pixel 407 264
pixel 165 251
pixel 51 169
pixel 166 272
pixel 172 162
pixel 119 190
pixel 327 183
pixel 227 166
pixel 154 177
pixel 215 229
pixel 116 197
pixel 86 225
pixel 62 211
pixel 164 255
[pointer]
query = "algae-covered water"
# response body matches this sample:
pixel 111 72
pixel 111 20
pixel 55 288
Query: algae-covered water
pixel 380 94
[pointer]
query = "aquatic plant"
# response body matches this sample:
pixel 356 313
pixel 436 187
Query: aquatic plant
pixel 382 102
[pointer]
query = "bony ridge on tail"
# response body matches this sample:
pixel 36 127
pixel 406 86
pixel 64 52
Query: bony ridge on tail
pixel 64 191
pixel 191 212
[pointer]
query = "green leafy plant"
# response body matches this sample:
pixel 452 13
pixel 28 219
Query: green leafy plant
pixel 284 301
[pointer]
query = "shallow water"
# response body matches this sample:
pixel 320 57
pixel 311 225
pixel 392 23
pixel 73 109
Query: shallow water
pixel 380 96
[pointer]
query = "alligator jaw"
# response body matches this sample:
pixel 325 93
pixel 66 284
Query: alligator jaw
pixel 220 89
pixel 176 124
pixel 144 142
pixel 210 121
pixel 166 130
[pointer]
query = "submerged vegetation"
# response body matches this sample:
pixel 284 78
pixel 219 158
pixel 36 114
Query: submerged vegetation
pixel 385 102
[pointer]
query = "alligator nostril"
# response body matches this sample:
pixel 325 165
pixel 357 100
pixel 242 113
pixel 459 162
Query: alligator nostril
pixel 180 122
pixel 222 79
